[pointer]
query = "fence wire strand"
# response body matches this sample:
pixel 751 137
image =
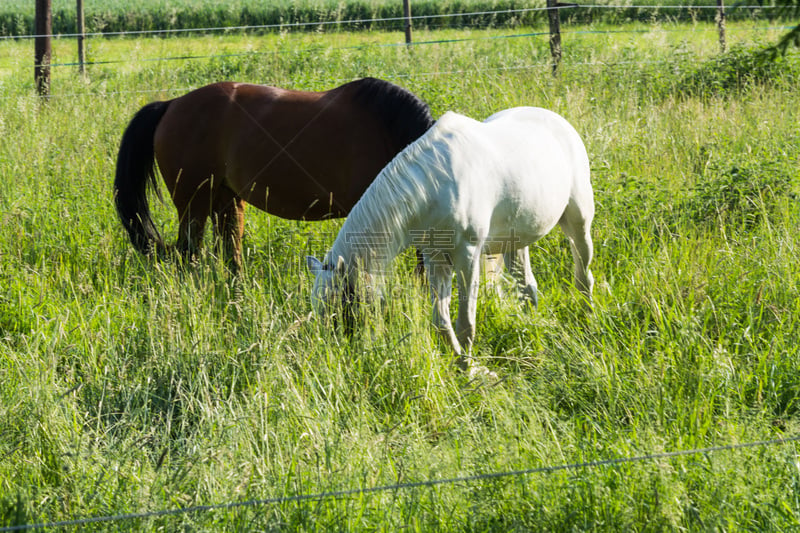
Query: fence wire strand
pixel 338 494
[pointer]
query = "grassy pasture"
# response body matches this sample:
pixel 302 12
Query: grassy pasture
pixel 128 386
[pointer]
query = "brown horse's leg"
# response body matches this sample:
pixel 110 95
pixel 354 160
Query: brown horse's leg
pixel 419 268
pixel 190 232
pixel 194 206
pixel 229 227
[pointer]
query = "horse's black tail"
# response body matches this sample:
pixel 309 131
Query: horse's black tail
pixel 135 170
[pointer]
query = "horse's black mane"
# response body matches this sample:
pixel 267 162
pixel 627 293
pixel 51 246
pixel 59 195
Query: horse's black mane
pixel 406 116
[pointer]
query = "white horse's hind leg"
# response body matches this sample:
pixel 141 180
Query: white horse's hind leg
pixel 518 264
pixel 577 226
pixel 582 255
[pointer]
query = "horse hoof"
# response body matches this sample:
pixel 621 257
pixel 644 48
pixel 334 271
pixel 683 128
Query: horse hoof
pixel 481 372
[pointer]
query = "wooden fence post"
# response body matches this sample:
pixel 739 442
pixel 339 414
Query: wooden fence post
pixel 721 24
pixel 81 39
pixel 555 33
pixel 43 48
pixel 407 16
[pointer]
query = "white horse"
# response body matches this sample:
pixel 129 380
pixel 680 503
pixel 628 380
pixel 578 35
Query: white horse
pixel 462 189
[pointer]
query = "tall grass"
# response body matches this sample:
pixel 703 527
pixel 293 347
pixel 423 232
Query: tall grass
pixel 129 386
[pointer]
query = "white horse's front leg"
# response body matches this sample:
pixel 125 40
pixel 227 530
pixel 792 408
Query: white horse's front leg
pixel 468 266
pixel 468 273
pixel 440 279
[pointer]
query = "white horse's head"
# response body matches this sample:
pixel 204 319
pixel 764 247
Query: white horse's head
pixel 330 282
pixel 340 290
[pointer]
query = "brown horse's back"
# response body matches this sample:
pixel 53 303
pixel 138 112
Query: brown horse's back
pixel 298 155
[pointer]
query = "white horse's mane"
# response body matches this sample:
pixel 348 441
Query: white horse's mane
pixel 400 191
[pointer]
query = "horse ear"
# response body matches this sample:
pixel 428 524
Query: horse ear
pixel 314 265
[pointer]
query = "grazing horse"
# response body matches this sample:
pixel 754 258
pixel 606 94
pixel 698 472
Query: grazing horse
pixel 295 154
pixel 463 189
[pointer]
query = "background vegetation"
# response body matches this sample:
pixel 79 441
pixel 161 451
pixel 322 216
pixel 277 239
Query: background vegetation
pixel 17 16
pixel 129 386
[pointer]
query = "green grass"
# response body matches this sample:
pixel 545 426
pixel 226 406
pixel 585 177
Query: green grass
pixel 129 386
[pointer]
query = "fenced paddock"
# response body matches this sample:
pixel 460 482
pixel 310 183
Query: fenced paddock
pixel 141 396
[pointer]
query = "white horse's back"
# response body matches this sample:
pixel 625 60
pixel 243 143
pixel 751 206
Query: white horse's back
pixel 550 126
pixel 512 177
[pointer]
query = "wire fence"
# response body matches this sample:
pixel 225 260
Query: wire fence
pixel 24 65
pixel 43 68
pixel 372 21
pixel 359 22
pixel 542 65
pixel 185 57
pixel 338 494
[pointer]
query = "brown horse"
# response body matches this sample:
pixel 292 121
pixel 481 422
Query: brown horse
pixel 295 154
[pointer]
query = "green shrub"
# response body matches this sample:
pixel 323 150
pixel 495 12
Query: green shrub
pixel 739 67
pixel 742 194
